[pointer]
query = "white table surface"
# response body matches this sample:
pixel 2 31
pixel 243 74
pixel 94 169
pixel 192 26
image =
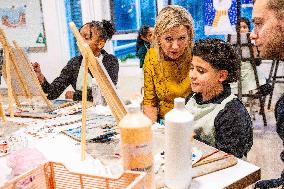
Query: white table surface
pixel 63 149
pixel 226 177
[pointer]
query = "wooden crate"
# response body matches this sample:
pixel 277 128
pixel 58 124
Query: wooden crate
pixel 53 175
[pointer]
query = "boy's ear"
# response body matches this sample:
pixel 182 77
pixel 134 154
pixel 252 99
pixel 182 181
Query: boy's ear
pixel 223 75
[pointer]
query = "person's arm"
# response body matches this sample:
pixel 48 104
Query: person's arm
pixel 280 131
pixel 279 115
pixel 110 63
pixel 233 129
pixel 37 70
pixel 56 88
pixel 150 100
pixel 151 112
pixel 77 95
pixel 141 55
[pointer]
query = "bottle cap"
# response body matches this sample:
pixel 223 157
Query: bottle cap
pixel 179 102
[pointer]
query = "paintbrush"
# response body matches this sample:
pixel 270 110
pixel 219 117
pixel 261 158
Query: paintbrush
pixel 211 160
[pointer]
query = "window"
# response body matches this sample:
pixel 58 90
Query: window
pixel 128 17
pixel 148 12
pixel 124 14
pixel 73 14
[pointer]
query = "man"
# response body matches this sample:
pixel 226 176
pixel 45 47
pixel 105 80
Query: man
pixel 268 33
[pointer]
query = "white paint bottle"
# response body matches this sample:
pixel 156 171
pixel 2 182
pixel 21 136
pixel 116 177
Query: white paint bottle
pixel 178 163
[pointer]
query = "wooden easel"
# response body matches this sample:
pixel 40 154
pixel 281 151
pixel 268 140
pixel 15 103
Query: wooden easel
pixel 2 113
pixel 246 53
pixel 27 64
pixel 6 70
pixel 274 78
pixel 15 62
pixel 104 82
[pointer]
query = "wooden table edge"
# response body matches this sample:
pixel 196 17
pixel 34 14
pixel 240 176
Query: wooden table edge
pixel 246 181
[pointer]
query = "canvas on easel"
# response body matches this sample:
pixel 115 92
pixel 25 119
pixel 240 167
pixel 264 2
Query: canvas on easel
pixel 104 82
pixel 19 75
pixel 100 74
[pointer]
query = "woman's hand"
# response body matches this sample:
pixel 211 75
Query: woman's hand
pixel 151 112
pixel 37 70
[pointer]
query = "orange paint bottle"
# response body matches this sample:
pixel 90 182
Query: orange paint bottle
pixel 136 143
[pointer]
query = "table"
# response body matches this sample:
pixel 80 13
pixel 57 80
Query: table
pixel 62 148
pixel 239 176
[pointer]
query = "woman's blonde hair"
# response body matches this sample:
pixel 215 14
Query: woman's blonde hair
pixel 169 17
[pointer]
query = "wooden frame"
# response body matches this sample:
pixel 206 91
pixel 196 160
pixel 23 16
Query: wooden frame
pixel 19 75
pixel 2 113
pixel 244 47
pixel 99 72
pixel 104 82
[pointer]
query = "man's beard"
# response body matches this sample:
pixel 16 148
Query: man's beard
pixel 275 48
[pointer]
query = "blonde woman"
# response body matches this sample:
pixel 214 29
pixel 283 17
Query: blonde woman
pixel 166 66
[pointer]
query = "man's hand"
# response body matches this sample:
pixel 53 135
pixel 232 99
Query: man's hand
pixel 37 70
pixel 269 184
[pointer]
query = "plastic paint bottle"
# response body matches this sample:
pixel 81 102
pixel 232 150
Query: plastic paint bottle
pixel 178 165
pixel 136 143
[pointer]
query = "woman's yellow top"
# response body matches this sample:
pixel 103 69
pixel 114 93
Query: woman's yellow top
pixel 164 81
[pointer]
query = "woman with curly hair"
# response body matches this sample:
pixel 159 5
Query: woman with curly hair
pixel 220 118
pixel 143 43
pixel 95 34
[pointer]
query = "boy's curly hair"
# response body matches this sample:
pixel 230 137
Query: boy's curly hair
pixel 220 55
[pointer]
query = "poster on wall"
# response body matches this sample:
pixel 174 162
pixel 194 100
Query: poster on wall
pixel 247 3
pixel 220 17
pixel 22 21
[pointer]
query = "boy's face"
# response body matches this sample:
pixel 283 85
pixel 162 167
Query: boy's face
pixel 204 78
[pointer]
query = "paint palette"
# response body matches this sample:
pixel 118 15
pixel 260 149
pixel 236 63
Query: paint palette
pixel 99 128
pixel 196 155
pixel 159 159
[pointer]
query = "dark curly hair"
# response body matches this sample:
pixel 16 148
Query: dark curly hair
pixel 246 20
pixel 105 27
pixel 142 33
pixel 220 55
